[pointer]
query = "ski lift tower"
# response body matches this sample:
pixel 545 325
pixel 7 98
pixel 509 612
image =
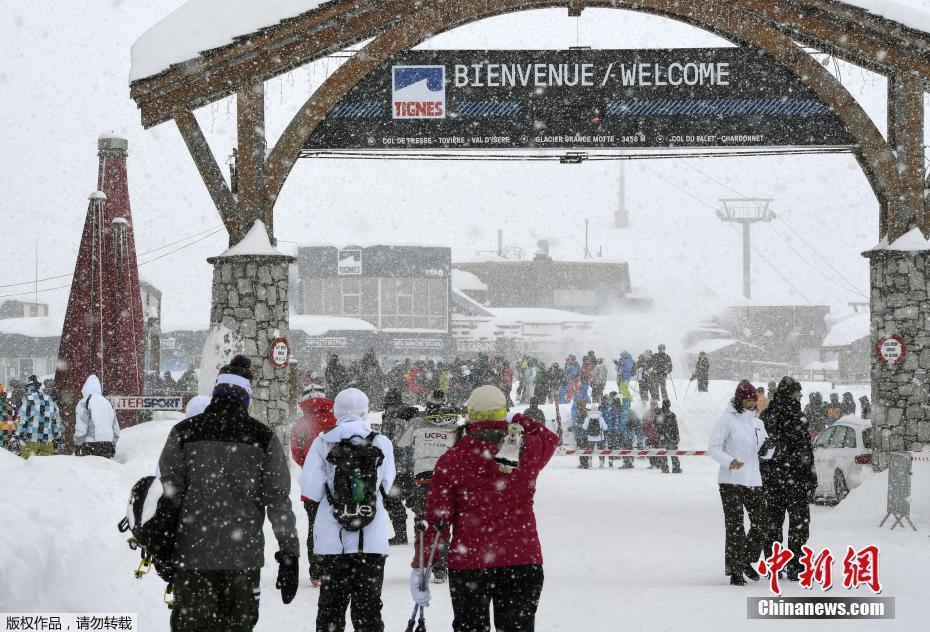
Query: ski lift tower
pixel 746 211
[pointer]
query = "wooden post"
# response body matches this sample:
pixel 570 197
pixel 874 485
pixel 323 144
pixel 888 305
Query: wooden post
pixel 253 196
pixel 906 140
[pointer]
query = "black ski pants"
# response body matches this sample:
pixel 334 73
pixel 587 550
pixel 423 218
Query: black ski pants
pixel 512 591
pixel 743 548
pixel 782 500
pixel 394 505
pixel 215 601
pixel 354 580
pixel 416 500
pixel 663 461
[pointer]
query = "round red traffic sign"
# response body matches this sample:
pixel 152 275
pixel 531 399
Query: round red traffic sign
pixel 279 352
pixel 891 350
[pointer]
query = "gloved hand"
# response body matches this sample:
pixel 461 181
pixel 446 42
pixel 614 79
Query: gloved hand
pixel 420 595
pixel 316 569
pixel 767 445
pixel 288 575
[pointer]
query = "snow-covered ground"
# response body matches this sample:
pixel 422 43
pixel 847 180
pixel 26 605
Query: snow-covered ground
pixel 632 549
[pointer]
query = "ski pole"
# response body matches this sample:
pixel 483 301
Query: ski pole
pixel 674 390
pixel 413 618
pixel 687 389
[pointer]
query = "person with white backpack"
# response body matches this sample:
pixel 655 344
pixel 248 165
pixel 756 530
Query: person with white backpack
pixel 343 477
pixel 96 429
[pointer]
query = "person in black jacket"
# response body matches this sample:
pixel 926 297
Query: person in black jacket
pixel 394 421
pixel 662 370
pixel 815 413
pixel 702 372
pixel 534 412
pixel 667 425
pixel 789 478
pixel 225 471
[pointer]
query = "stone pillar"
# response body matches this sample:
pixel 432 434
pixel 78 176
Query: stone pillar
pixel 899 305
pixel 250 298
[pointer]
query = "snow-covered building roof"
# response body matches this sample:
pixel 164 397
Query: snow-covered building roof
pixel 201 25
pixel 538 315
pixel 320 325
pixel 712 345
pixel 849 330
pixel 463 280
pixel 35 327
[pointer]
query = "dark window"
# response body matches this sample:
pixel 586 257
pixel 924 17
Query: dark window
pixel 824 437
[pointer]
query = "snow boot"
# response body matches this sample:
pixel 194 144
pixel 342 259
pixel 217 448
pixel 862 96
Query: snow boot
pixel 751 573
pixel 737 579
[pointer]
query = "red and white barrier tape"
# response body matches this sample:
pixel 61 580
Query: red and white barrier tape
pixel 630 453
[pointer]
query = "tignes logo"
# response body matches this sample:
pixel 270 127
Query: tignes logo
pixel 419 92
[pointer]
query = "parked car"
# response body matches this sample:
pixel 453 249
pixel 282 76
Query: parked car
pixel 840 453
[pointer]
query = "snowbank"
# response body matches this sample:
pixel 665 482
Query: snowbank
pixel 201 25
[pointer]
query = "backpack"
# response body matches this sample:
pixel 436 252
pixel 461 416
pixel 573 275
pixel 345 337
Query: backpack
pixel 152 518
pixel 594 427
pixel 354 496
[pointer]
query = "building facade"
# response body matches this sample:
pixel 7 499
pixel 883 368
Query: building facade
pixel 395 299
pixel 586 287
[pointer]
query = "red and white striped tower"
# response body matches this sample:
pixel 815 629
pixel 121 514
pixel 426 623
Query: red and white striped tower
pixel 103 328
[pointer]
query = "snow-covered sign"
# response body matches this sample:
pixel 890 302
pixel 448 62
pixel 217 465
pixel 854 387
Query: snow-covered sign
pixel 891 350
pixel 279 352
pixel 140 402
pixel 219 348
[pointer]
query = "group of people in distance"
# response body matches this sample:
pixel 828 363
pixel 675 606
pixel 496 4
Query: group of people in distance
pixel 31 425
pixel 472 493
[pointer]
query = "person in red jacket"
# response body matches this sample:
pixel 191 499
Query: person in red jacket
pixel 495 556
pixel 317 418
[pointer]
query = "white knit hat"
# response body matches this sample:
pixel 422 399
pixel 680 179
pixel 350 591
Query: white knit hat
pixel 352 402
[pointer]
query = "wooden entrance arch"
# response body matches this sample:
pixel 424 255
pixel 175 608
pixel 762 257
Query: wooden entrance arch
pixel 893 166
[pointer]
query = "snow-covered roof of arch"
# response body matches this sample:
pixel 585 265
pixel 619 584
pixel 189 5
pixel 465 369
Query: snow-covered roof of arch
pixel 202 25
pixel 198 26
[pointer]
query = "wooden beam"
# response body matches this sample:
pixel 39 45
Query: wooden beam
pixel 209 170
pixel 905 137
pixel 250 117
pixel 264 57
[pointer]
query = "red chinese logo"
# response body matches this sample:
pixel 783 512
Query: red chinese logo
pixel 861 568
pixel 817 569
pixel 773 564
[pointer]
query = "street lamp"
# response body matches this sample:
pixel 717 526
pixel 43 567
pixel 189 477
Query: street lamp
pixel 746 211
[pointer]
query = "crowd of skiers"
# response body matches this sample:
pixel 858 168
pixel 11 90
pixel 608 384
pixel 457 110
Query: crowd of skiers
pixel 31 424
pixel 468 477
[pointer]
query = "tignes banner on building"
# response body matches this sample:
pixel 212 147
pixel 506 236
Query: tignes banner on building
pixel 579 99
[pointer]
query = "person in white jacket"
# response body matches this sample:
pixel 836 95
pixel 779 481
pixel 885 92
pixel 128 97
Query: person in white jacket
pixel 351 562
pixel 96 429
pixel 737 443
pixel 594 428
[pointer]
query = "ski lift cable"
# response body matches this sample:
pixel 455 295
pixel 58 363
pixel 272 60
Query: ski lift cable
pixel 60 287
pixel 754 248
pixel 852 286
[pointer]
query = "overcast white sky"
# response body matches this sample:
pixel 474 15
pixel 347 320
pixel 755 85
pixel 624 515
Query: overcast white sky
pixel 65 80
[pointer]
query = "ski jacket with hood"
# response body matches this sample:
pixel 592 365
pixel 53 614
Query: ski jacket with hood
pixel 226 470
pixel 317 418
pixel 490 513
pixel 329 538
pixel 39 417
pixel 94 418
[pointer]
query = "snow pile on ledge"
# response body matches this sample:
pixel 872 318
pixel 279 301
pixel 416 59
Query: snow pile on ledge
pixel 911 241
pixel 849 330
pixel 254 243
pixel 202 25
pixel 33 327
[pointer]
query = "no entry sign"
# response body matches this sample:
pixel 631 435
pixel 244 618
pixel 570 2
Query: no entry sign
pixel 891 350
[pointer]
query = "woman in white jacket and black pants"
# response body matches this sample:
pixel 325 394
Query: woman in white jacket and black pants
pixel 737 443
